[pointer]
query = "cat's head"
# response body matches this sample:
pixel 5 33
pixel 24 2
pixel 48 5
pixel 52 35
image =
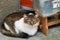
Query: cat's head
pixel 31 17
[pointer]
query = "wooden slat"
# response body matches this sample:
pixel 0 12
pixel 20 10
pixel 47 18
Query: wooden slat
pixel 53 22
pixel 45 24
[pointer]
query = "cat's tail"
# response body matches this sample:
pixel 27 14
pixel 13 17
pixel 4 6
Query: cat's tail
pixel 4 31
pixel 8 33
pixel 21 35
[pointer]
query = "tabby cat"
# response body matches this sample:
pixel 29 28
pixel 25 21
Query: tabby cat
pixel 21 24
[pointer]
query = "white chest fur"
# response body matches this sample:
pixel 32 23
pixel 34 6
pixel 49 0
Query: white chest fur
pixel 20 26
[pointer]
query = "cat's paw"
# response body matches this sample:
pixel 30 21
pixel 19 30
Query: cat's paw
pixel 13 33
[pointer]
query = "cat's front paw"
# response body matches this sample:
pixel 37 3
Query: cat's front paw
pixel 13 33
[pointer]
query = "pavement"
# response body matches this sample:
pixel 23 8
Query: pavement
pixel 54 34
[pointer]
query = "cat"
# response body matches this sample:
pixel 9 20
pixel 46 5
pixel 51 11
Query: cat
pixel 23 24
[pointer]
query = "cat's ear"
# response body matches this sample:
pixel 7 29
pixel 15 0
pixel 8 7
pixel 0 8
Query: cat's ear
pixel 37 12
pixel 25 15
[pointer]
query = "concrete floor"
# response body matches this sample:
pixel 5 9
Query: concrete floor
pixel 54 34
pixel 9 6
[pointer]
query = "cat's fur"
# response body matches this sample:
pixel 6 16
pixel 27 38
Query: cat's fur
pixel 21 24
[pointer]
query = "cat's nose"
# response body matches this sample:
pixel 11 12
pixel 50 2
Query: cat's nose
pixel 32 23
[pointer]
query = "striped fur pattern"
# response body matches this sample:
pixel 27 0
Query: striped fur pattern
pixel 21 24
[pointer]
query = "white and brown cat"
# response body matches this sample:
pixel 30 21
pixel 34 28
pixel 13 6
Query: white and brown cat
pixel 21 24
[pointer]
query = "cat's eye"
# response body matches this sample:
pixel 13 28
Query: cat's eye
pixel 36 15
pixel 28 20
